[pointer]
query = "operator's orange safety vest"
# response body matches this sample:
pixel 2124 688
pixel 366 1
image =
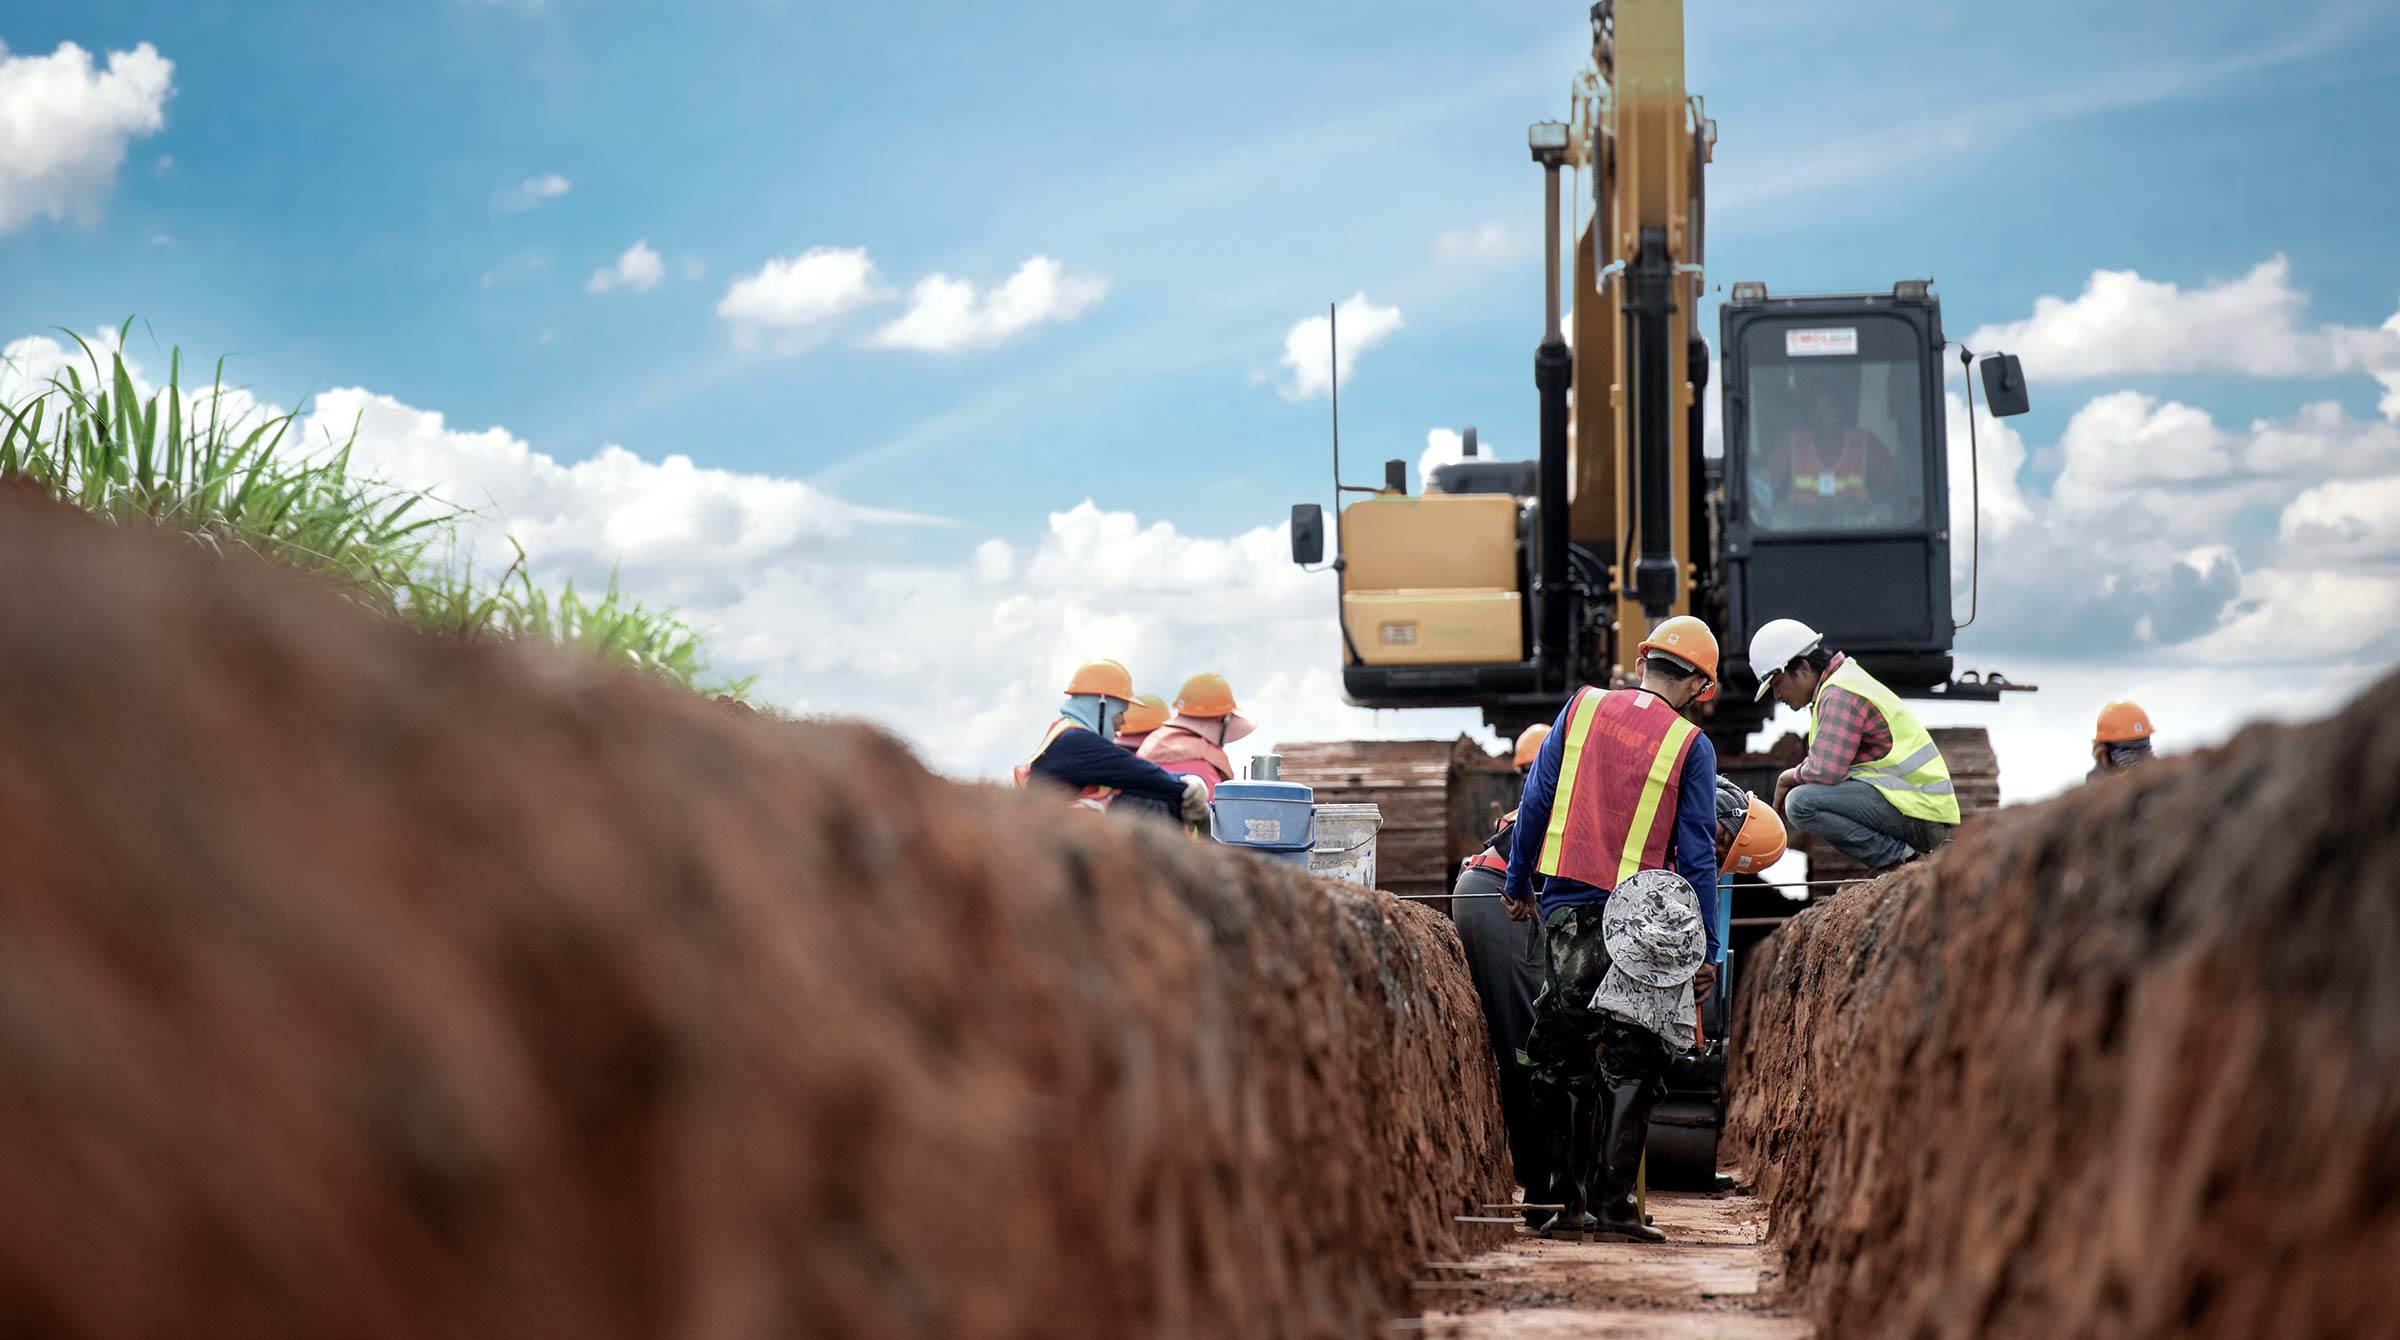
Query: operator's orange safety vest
pixel 1090 797
pixel 1614 810
pixel 1813 480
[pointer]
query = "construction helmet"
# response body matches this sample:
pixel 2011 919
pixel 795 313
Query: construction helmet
pixel 1107 679
pixel 2122 722
pixel 1206 696
pixel 1686 639
pixel 1774 646
pixel 1148 713
pixel 1758 844
pixel 1529 743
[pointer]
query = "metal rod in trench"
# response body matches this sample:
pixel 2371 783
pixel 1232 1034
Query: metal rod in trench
pixel 1795 884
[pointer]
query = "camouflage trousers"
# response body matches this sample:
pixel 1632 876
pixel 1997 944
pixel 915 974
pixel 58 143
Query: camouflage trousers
pixel 1573 1046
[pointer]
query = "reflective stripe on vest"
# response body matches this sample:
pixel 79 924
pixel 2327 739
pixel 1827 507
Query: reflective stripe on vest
pixel 1913 775
pixel 1618 775
pixel 1090 797
pixel 1813 482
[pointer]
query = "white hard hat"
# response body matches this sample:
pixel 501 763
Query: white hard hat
pixel 1774 645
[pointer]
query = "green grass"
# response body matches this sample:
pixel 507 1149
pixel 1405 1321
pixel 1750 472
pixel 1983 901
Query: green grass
pixel 232 478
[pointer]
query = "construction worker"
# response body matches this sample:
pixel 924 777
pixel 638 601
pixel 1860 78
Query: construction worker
pixel 2121 738
pixel 1504 957
pixel 1192 742
pixel 1623 784
pixel 1828 470
pixel 1874 783
pixel 1148 713
pixel 1077 752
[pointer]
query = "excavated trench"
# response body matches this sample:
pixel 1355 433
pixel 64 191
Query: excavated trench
pixel 354 983
pixel 2126 1063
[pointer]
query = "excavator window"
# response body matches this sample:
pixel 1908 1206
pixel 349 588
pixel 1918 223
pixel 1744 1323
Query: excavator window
pixel 1834 436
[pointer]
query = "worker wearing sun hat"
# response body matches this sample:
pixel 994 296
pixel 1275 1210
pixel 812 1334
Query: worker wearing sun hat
pixel 1192 742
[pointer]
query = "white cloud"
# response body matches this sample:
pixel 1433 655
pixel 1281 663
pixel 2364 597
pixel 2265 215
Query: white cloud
pixel 1444 447
pixel 2124 324
pixel 531 193
pixel 967 660
pixel 639 269
pixel 64 125
pixel 2344 521
pixel 683 528
pixel 1486 243
pixel 1363 325
pixel 946 315
pixel 795 299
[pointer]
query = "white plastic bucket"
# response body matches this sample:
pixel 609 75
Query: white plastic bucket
pixel 1345 845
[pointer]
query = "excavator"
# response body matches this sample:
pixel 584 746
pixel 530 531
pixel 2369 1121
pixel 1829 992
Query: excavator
pixel 1506 585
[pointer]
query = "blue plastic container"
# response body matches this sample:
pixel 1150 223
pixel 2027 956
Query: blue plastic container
pixel 1278 820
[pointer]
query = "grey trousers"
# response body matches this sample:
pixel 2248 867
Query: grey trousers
pixel 1861 824
pixel 1505 960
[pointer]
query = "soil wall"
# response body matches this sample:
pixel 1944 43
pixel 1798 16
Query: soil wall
pixel 358 984
pixel 2125 1063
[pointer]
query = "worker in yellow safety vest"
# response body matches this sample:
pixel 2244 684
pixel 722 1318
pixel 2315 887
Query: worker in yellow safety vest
pixel 1874 783
pixel 1624 783
pixel 1079 753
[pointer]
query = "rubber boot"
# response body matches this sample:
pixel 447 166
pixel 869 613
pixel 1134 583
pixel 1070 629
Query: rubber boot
pixel 1629 1106
pixel 1526 1143
pixel 1573 1149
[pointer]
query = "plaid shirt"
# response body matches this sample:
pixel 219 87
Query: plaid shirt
pixel 1848 729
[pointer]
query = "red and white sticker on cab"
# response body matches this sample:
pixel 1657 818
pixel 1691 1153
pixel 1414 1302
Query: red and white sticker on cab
pixel 1837 341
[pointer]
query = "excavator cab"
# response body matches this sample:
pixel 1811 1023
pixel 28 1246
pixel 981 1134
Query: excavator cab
pixel 1835 505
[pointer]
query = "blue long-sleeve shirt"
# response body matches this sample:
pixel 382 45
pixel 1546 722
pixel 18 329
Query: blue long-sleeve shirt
pixel 1692 854
pixel 1081 758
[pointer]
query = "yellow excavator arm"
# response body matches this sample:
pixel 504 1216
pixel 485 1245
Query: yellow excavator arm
pixel 1643 144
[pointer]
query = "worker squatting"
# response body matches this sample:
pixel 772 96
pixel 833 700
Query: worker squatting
pixel 1593 960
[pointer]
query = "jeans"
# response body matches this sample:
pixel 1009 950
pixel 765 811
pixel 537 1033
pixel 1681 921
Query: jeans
pixel 1861 824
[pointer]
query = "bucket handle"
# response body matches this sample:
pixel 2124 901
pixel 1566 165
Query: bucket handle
pixel 1215 835
pixel 1343 851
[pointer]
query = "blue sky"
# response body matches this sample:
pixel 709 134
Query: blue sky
pixel 328 199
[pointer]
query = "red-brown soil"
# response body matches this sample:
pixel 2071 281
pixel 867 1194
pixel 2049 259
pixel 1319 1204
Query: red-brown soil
pixel 359 984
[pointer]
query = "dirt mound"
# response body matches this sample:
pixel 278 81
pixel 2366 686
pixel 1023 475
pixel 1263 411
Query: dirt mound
pixel 354 983
pixel 2126 1063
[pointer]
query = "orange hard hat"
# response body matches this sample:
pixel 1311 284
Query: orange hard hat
pixel 1148 713
pixel 1206 696
pixel 1108 679
pixel 1687 640
pixel 2121 722
pixel 1758 844
pixel 1529 744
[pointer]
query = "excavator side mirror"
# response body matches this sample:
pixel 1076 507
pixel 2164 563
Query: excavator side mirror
pixel 1308 534
pixel 2004 386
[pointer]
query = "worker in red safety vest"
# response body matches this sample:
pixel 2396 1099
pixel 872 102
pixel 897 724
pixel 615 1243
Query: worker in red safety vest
pixel 1504 958
pixel 1829 470
pixel 1624 783
pixel 1192 742
pixel 1078 751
